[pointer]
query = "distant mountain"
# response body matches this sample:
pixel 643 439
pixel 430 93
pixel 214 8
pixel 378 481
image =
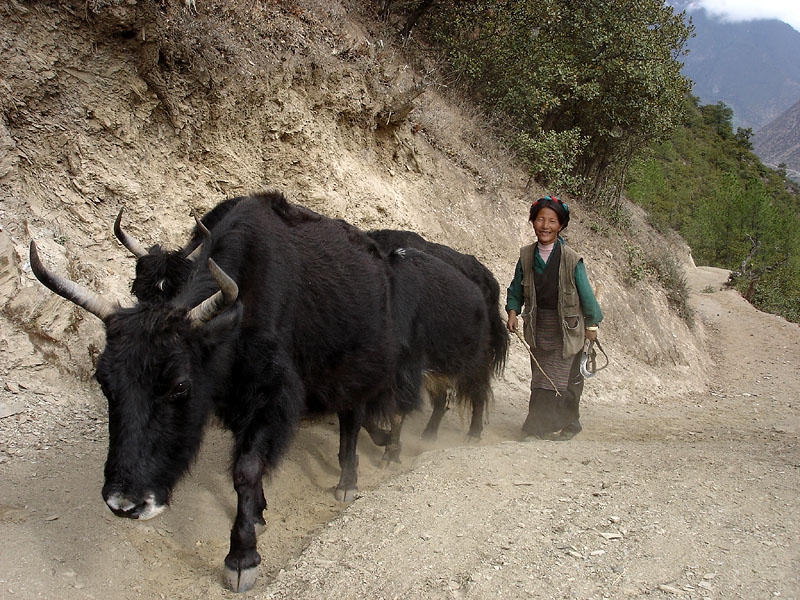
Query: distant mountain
pixel 752 66
pixel 779 142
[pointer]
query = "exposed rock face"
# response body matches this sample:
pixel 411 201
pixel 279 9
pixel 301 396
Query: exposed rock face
pixel 779 142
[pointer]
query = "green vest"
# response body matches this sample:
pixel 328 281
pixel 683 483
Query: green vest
pixel 569 304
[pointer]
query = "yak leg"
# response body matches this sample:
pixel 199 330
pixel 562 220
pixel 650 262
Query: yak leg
pixel 479 391
pixel 437 387
pixel 393 447
pixel 476 424
pixel 349 426
pixel 241 564
pixel 439 402
pixel 379 436
pixel 258 448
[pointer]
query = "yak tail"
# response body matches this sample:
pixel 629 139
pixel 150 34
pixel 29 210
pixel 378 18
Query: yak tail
pixel 498 334
pixel 500 341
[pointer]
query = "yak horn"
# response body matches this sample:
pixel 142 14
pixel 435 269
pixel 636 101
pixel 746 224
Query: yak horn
pixel 201 226
pixel 214 305
pixel 130 242
pixel 193 256
pixel 69 290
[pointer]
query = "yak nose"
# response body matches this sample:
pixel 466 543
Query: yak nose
pixel 122 506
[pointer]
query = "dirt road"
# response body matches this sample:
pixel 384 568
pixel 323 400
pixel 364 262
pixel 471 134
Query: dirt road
pixel 680 497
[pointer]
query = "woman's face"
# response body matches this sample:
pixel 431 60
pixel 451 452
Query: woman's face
pixel 546 226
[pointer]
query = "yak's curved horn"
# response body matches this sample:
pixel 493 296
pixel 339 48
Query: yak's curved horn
pixel 83 297
pixel 211 307
pixel 193 256
pixel 127 240
pixel 206 231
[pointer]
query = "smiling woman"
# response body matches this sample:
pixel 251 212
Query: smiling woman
pixel 561 315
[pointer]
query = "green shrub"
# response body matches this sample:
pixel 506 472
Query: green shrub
pixel 671 276
pixel 638 268
pixel 551 156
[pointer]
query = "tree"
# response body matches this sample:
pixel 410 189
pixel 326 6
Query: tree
pixel 732 210
pixel 606 71
pixel 720 116
pixel 743 136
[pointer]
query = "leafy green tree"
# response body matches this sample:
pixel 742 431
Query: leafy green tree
pixel 735 213
pixel 743 136
pixel 719 116
pixel 606 72
pixel 716 224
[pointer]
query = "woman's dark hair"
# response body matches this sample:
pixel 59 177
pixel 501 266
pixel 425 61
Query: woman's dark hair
pixel 561 208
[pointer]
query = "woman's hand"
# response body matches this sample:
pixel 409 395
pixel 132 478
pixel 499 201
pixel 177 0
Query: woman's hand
pixel 511 324
pixel 591 334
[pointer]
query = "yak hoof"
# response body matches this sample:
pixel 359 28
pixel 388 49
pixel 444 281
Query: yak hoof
pixel 345 495
pixel 391 455
pixel 387 462
pixel 240 580
pixel 429 436
pixel 260 528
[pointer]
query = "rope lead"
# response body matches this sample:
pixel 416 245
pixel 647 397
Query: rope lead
pixel 524 343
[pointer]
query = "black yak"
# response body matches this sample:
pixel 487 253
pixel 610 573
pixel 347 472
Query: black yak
pixel 160 273
pixel 442 327
pixel 497 341
pixel 284 311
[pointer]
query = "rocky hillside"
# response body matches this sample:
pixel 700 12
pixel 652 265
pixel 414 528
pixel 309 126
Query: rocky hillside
pixel 779 142
pixel 167 110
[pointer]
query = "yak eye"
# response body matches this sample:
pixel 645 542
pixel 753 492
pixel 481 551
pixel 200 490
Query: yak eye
pixel 180 389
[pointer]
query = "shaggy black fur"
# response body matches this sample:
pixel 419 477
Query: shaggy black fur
pixel 161 273
pixel 312 329
pixel 497 343
pixel 441 326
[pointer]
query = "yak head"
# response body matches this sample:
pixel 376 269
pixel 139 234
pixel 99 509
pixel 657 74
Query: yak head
pixel 161 273
pixel 158 371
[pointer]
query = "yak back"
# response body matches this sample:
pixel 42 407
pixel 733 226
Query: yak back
pixel 209 220
pixel 468 265
pixel 315 298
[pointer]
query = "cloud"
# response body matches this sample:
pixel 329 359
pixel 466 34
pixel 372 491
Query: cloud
pixel 787 11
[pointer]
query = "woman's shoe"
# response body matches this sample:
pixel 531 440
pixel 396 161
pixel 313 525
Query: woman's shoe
pixel 570 431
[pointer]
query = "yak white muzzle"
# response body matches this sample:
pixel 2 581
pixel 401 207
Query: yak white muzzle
pixel 122 506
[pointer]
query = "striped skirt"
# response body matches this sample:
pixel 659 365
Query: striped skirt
pixel 549 353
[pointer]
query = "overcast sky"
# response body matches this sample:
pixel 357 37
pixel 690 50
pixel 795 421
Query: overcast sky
pixel 787 11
